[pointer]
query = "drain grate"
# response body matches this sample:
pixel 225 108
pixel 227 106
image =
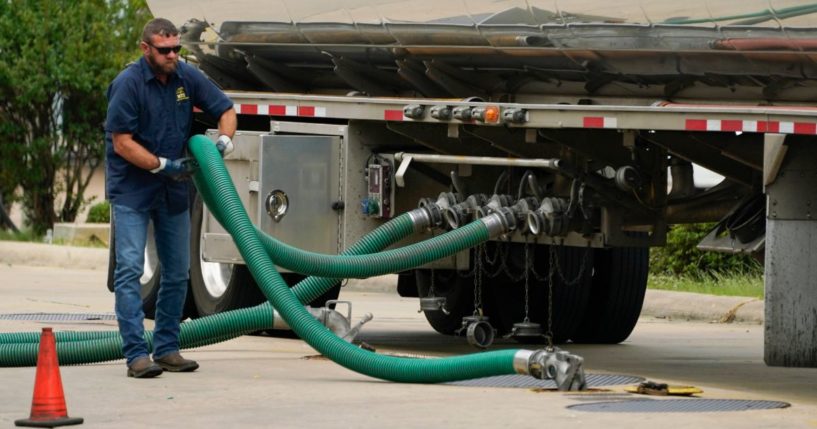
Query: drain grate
pixel 596 396
pixel 58 317
pixel 678 406
pixel 526 381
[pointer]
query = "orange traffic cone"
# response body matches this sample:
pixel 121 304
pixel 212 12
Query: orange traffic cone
pixel 48 406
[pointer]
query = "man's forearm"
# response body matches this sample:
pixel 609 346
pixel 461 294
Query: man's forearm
pixel 228 123
pixel 125 146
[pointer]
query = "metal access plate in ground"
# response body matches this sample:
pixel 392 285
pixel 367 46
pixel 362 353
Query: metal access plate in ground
pixel 528 382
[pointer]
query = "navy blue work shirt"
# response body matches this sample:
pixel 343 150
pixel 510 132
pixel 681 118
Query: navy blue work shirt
pixel 159 116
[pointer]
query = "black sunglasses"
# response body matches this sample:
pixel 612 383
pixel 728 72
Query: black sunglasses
pixel 166 50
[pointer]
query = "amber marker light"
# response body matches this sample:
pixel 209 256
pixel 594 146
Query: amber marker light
pixel 487 114
pixel 492 114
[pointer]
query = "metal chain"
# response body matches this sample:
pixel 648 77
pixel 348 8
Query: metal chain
pixel 582 266
pixel 503 253
pixel 551 271
pixel 533 271
pixel 527 284
pixel 480 250
pixel 498 255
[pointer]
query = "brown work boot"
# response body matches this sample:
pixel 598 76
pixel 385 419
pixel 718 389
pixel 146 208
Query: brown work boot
pixel 174 362
pixel 143 368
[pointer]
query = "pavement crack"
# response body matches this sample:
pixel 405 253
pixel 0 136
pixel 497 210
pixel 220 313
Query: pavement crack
pixel 58 302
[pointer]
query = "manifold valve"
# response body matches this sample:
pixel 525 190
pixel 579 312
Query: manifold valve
pixel 566 369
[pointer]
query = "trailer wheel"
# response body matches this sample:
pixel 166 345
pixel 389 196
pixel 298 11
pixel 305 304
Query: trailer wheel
pixel 218 287
pixel 459 295
pixel 151 276
pixel 215 286
pixel 507 296
pixel 619 285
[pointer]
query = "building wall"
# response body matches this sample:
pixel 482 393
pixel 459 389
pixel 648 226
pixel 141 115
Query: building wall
pixel 96 189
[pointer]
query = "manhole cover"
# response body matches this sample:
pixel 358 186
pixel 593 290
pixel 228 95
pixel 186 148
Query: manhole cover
pixel 677 406
pixel 526 381
pixel 58 317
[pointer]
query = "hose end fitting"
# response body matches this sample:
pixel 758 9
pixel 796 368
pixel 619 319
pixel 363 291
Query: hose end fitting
pixel 550 219
pixel 456 216
pixel 497 224
pixel 434 210
pixel 535 222
pixel 420 219
pixel 566 369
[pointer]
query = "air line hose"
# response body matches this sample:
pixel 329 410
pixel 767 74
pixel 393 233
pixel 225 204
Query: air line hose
pixel 215 184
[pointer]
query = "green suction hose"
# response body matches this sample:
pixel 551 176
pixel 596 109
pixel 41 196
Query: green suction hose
pixel 368 265
pixel 20 348
pixel 306 290
pixel 212 180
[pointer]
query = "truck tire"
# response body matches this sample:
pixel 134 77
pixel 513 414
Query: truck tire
pixel 619 285
pixel 506 304
pixel 215 286
pixel 459 295
pixel 218 287
pixel 151 276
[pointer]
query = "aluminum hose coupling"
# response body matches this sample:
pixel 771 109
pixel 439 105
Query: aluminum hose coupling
pixel 462 213
pixel 494 203
pixel 500 222
pixel 566 369
pixel 434 209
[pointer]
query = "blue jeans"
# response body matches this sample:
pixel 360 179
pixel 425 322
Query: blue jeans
pixel 172 235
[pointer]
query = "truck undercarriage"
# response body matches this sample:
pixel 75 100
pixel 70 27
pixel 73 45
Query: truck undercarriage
pixel 578 129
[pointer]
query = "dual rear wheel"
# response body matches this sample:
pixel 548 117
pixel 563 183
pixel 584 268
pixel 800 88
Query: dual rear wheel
pixel 597 294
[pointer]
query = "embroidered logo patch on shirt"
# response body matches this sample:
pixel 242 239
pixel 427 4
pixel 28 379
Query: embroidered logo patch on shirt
pixel 181 95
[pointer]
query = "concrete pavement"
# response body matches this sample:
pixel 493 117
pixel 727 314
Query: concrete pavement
pixel 258 381
pixel 660 304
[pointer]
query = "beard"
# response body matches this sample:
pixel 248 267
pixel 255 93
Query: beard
pixel 166 67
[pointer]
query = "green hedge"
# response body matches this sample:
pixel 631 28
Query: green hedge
pixel 99 213
pixel 681 257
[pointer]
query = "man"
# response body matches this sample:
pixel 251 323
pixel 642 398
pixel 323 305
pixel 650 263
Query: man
pixel 149 119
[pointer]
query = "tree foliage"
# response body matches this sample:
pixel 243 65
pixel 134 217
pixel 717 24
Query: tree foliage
pixel 681 257
pixel 57 58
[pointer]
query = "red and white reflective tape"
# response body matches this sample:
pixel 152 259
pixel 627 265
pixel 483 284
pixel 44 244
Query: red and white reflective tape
pixel 600 122
pixel 732 125
pixel 280 110
pixel 393 115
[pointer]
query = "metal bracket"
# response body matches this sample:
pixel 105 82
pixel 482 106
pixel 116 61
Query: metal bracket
pixel 774 151
pixel 401 171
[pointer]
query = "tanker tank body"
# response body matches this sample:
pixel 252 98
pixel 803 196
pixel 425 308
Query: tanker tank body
pixel 712 51
pixel 624 100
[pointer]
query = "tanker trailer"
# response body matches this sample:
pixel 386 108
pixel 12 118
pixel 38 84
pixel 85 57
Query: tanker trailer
pixel 576 122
